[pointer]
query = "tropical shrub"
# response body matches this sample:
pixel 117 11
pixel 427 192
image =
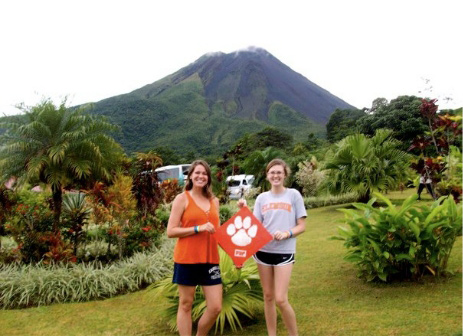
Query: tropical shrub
pixel 32 229
pixel 145 186
pixel 142 235
pixel 6 205
pixel 242 296
pixel 226 211
pixel 400 243
pixel 163 214
pixel 170 189
pixel 362 164
pixel 251 193
pixel 452 175
pixel 76 214
pixel 40 284
pixel 309 177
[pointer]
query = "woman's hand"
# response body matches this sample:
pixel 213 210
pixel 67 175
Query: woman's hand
pixel 208 227
pixel 281 235
pixel 242 203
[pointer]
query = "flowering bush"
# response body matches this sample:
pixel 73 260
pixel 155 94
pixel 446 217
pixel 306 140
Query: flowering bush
pixel 30 227
pixel 309 177
pixel 170 189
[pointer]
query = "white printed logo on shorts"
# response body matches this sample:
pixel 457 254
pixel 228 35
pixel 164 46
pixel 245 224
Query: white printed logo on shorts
pixel 241 231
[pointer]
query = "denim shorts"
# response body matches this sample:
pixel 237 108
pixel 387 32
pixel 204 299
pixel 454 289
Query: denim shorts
pixel 197 274
pixel 274 259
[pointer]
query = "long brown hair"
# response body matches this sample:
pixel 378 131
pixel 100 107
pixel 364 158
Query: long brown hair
pixel 207 189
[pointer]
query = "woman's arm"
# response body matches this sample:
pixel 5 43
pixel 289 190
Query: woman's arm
pixel 297 230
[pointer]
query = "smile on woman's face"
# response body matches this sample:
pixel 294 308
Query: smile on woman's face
pixel 199 176
pixel 276 175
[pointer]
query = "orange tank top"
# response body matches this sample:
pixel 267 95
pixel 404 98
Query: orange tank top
pixel 202 247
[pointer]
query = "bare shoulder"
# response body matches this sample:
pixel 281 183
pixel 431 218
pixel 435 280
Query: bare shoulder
pixel 180 200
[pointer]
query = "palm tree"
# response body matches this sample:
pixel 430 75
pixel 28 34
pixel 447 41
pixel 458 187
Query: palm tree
pixel 363 165
pixel 57 146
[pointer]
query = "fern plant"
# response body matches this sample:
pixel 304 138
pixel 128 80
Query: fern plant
pixel 242 296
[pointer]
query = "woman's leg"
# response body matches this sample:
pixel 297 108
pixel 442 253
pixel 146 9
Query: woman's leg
pixel 420 189
pixel 213 296
pixel 267 281
pixel 282 277
pixel 186 296
pixel 430 191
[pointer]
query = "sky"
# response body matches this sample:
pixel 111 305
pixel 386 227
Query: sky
pixel 357 50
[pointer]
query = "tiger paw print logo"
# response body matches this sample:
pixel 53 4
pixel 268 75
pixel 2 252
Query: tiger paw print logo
pixel 241 231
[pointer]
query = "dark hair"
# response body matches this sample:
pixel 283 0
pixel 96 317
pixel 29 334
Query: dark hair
pixel 207 189
pixel 278 162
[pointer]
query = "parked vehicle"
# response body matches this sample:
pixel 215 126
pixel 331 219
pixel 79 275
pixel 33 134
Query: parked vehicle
pixel 237 185
pixel 178 172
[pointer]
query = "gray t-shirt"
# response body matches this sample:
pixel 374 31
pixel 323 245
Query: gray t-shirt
pixel 280 212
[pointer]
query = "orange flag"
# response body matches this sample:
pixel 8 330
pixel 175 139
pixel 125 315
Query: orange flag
pixel 242 236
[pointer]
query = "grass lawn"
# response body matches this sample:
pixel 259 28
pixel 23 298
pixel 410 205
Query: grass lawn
pixel 325 293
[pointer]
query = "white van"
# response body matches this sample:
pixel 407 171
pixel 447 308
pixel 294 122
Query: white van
pixel 177 172
pixel 237 185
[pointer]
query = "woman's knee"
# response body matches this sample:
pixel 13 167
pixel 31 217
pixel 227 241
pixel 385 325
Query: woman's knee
pixel 215 309
pixel 269 297
pixel 282 301
pixel 185 305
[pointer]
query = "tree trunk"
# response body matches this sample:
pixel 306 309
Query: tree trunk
pixel 57 202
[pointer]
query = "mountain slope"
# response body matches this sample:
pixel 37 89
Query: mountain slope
pixel 206 106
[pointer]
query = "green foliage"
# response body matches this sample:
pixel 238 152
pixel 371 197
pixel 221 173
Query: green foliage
pixel 268 137
pixel 31 226
pixel 326 200
pixel 402 115
pixel 361 164
pixel 6 206
pixel 400 243
pixel 168 156
pixel 163 214
pixel 242 296
pixel 76 214
pixel 59 146
pixel 226 211
pixel 37 285
pixel 342 123
pixel 309 177
pixel 452 176
pixel 257 162
pixel 289 121
pixel 145 187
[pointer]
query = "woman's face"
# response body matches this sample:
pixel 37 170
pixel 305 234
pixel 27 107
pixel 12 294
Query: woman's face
pixel 199 176
pixel 276 175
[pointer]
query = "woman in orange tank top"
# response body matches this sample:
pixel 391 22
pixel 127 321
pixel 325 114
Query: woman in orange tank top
pixel 193 220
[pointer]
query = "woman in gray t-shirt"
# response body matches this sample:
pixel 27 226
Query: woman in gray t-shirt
pixel 281 210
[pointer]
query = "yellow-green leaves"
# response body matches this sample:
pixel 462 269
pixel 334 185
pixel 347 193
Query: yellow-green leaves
pixel 400 241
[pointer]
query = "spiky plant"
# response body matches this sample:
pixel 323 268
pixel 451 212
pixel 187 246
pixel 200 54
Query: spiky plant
pixel 242 296
pixel 77 213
